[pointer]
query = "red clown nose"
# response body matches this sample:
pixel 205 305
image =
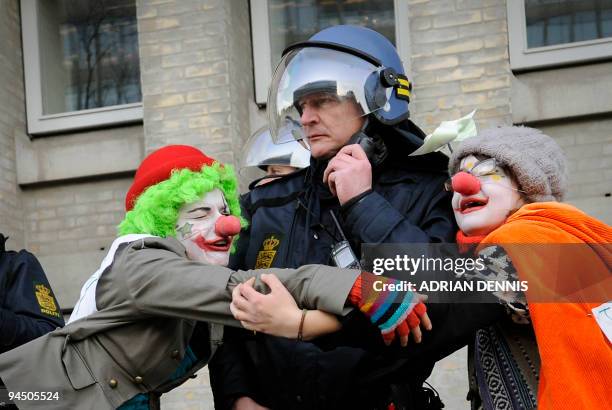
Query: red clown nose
pixel 465 184
pixel 227 226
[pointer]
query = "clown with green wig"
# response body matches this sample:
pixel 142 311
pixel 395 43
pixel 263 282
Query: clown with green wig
pixel 153 314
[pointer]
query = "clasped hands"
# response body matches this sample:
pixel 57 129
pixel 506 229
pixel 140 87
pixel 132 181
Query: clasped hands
pixel 277 313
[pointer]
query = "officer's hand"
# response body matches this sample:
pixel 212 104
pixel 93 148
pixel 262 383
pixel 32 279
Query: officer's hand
pixel 348 173
pixel 275 313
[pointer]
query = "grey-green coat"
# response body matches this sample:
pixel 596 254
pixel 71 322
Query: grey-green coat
pixel 148 302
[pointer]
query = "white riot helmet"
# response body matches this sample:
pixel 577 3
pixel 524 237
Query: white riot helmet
pixel 260 151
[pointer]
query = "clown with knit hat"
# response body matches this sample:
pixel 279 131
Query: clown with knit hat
pixel 507 184
pixel 152 315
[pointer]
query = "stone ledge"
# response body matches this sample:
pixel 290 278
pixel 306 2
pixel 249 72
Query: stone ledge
pixel 561 93
pixel 79 155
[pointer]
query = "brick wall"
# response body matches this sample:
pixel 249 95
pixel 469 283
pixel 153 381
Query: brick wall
pixel 12 122
pixel 588 147
pixel 577 114
pixel 241 77
pixel 196 82
pixel 73 187
pixel 459 61
pixel 74 216
pixel 70 227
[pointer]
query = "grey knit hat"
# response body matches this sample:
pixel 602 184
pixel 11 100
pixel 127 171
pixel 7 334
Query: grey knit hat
pixel 535 159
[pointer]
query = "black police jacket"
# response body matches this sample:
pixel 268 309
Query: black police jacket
pixel 28 308
pixel 290 225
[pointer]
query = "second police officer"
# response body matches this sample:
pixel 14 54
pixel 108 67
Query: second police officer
pixel 260 152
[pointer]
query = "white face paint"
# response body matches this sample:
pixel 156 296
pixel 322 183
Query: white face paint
pixel 195 229
pixel 486 210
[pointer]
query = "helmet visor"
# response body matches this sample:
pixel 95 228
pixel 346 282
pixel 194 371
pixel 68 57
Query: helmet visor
pixel 260 151
pixel 319 77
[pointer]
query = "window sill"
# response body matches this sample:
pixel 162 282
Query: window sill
pixel 85 119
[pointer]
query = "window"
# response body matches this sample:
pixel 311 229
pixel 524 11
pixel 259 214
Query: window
pixel 553 32
pixel 277 24
pixel 81 64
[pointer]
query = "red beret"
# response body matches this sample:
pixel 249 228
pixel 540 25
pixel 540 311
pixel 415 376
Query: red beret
pixel 158 166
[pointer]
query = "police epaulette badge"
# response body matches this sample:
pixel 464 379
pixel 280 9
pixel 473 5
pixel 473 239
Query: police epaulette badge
pixel 267 252
pixel 45 300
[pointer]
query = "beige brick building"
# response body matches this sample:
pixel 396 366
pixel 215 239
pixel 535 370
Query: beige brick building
pixel 203 68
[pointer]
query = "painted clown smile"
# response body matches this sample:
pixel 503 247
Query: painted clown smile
pixel 472 204
pixel 214 245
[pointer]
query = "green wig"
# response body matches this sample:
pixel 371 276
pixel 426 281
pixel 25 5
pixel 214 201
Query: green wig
pixel 156 210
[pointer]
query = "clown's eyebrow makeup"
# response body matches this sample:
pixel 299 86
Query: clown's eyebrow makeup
pixel 494 172
pixel 482 168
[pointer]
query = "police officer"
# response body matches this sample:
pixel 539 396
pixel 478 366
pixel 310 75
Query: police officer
pixel 344 93
pixel 28 308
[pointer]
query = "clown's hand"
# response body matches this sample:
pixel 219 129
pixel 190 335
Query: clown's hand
pixel 395 313
pixel 275 313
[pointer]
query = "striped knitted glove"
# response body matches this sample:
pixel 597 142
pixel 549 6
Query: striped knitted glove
pixel 391 311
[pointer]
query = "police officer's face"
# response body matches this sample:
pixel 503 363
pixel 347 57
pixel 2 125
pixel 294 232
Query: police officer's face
pixel 275 171
pixel 279 170
pixel 329 122
pixel 196 229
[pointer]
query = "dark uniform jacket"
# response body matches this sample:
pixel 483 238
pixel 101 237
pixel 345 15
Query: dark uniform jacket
pixel 28 308
pixel 290 225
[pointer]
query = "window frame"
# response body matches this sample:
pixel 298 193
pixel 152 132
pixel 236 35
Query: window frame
pixel 522 58
pixel 39 123
pixel 260 42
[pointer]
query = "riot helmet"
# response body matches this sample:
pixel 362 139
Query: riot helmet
pixel 342 63
pixel 261 152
